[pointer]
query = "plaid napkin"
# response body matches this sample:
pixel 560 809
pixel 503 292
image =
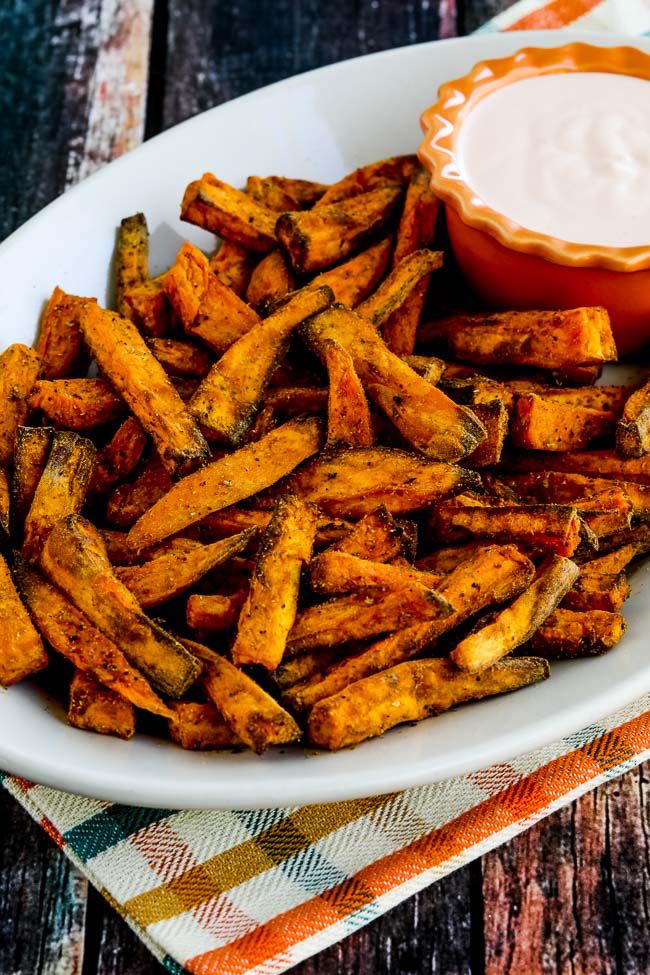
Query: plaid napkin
pixel 257 891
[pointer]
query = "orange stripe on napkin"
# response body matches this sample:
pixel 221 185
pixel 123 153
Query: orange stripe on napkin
pixel 558 13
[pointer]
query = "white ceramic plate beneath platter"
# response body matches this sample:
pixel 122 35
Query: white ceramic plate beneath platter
pixel 318 125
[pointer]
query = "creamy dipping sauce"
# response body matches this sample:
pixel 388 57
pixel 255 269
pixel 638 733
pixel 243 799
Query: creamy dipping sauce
pixel 566 155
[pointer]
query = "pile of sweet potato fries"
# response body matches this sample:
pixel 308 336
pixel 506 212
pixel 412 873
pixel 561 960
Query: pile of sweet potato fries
pixel 272 498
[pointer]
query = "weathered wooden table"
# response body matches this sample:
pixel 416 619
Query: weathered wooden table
pixel 571 895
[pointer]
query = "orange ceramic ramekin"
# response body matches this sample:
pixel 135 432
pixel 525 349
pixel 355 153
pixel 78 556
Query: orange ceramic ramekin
pixel 510 266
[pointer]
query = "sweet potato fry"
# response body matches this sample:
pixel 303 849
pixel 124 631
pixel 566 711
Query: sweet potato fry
pixel 566 634
pixel 551 528
pixel 199 727
pixel 633 430
pixel 181 358
pixel 318 238
pixel 93 707
pixel 233 265
pixel 427 366
pixel 417 223
pixel 72 635
pixel 493 574
pixel 127 502
pixel 557 487
pixel 5 498
pixel 227 481
pixel 348 413
pixel 609 564
pixel 547 339
pixel 396 288
pixel 228 398
pixel 606 591
pixel 122 354
pixel 495 419
pixel 271 194
pixel 30 458
pixel 149 307
pixel 546 424
pixel 19 369
pixel 272 603
pixel 252 714
pixel 119 457
pixel 131 258
pixel 272 279
pixel 424 415
pixel 516 624
pixel 638 536
pixel 59 342
pixel 364 614
pixel 21 651
pixel 78 404
pixel 409 692
pixel 60 491
pixel 75 560
pixel 353 481
pixel 396 169
pixel 289 401
pixel 377 537
pixel 299 669
pixel 400 329
pixel 354 280
pixel 590 463
pixel 168 575
pixel 305 191
pixel 207 308
pixel 214 205
pixel 336 572
pixel 214 613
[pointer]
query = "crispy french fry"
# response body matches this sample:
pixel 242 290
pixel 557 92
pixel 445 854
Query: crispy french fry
pixel 353 481
pixel 199 727
pixel 633 430
pixel 493 574
pixel 607 592
pixel 21 651
pixel 364 614
pixel 207 308
pixel 122 354
pixel 547 339
pixel 181 358
pixel 271 194
pixel 424 415
pixel 230 395
pixel 233 265
pixel 336 572
pixel 30 458
pixel 214 205
pixel 78 404
pixel 397 287
pixel 72 635
pixel 19 369
pixel 127 502
pixel 590 463
pixel 149 307
pixel 318 238
pixel 495 419
pixel 305 191
pixel 355 279
pixel 409 692
pixel 272 603
pixel 348 413
pixel 119 457
pixel 566 634
pixel 227 481
pixel 169 575
pixel 59 342
pixel 131 258
pixel 214 613
pixel 516 624
pixel 271 280
pixel 93 707
pixel 546 424
pixel 396 169
pixel 552 528
pixel 75 560
pixel 60 491
pixel 377 537
pixel 252 714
